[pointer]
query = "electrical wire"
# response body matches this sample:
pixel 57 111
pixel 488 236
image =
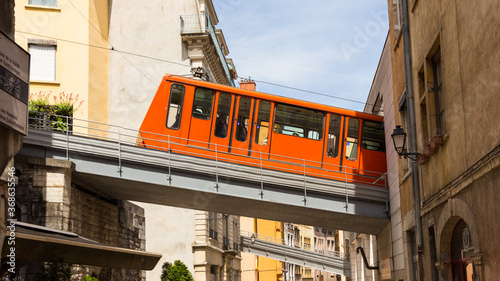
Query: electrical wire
pixel 123 53
pixel 308 91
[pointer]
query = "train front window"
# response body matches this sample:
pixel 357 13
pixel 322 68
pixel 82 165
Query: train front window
pixel 262 128
pixel 332 149
pixel 202 106
pixel 175 106
pixel 351 148
pixel 373 137
pixel 242 121
pixel 298 121
pixel 223 111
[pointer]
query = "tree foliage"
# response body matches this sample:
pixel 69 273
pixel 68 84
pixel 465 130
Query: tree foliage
pixel 57 269
pixel 176 272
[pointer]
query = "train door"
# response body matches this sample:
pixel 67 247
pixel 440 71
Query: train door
pixel 241 124
pixel 174 112
pixel 351 147
pixel 261 133
pixel 199 129
pixel 222 123
pixel 332 160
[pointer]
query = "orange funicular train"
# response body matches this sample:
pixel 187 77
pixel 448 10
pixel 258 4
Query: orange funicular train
pixel 243 126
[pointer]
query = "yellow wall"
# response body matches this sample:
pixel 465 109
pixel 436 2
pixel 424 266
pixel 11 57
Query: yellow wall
pixel 269 269
pixel 80 69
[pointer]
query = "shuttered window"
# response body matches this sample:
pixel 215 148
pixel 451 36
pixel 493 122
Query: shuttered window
pixel 43 62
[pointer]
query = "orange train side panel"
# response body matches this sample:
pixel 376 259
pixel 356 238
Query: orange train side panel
pixel 155 133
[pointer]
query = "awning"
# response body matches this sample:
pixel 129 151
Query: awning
pixel 38 243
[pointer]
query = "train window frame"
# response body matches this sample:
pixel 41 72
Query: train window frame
pixel 260 123
pixel 370 144
pixel 348 142
pixel 221 125
pixel 245 125
pixel 201 115
pixel 296 129
pixel 332 144
pixel 178 115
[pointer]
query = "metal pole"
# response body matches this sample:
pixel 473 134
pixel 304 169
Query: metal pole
pixel 305 187
pixel 346 194
pixel 169 162
pixel 412 133
pixel 119 151
pixel 67 138
pixel 261 193
pixel 216 170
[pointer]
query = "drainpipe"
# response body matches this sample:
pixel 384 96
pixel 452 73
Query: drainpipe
pixel 412 140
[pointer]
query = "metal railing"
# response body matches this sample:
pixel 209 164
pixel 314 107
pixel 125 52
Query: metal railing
pixel 297 173
pixel 302 246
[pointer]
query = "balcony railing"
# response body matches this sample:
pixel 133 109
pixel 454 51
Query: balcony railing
pixel 192 24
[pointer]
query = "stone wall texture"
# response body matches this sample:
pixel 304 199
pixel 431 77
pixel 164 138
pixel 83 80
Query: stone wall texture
pixel 46 196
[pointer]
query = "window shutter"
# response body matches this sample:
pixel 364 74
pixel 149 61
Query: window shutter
pixel 43 62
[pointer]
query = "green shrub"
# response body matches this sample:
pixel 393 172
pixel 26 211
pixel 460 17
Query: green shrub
pixel 176 272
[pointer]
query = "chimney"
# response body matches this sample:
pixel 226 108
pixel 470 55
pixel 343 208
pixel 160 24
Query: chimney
pixel 247 84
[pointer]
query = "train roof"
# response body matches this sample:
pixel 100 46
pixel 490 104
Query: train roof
pixel 276 98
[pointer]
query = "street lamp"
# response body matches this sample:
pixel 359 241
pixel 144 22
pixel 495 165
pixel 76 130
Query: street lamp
pixel 252 238
pixel 399 140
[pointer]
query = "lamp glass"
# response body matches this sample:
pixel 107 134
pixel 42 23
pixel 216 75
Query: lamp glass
pixel 399 139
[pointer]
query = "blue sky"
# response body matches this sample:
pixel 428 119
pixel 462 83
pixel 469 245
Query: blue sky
pixel 327 46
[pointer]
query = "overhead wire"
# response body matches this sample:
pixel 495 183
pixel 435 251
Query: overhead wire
pixel 123 53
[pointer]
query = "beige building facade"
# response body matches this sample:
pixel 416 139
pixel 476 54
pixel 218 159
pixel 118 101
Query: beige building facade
pixel 454 86
pixel 113 57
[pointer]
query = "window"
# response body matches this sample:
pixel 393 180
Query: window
pixel 202 106
pixel 404 125
pixel 262 128
pixel 433 254
pixel 373 137
pixel 43 62
pixel 175 106
pixel 243 119
pixel 50 3
pixel 212 225
pixel 397 19
pixel 332 149
pixel 298 121
pixel 223 111
pixel 438 92
pixel 351 149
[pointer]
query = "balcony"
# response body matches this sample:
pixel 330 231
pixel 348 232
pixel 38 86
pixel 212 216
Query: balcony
pixel 200 34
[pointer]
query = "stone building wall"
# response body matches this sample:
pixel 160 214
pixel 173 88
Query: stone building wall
pixel 46 196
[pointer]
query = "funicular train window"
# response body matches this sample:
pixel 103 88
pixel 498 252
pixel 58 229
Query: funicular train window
pixel 332 149
pixel 262 128
pixel 223 111
pixel 373 137
pixel 202 106
pixel 351 149
pixel 298 121
pixel 175 106
pixel 243 119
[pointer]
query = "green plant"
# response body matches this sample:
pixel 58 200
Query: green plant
pixel 90 278
pixel 62 107
pixel 176 272
pixel 57 269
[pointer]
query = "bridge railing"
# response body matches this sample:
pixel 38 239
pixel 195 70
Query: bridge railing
pixel 308 247
pixel 125 137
